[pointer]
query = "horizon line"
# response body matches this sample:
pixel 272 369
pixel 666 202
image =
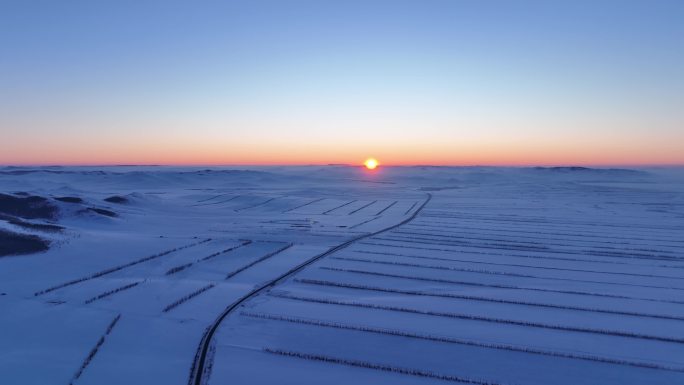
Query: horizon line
pixel 518 165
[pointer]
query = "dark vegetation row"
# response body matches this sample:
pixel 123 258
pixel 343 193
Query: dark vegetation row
pixel 363 223
pixel 182 267
pixel 304 205
pixel 187 297
pixel 386 208
pixel 338 207
pixel 261 259
pixel 95 349
pixel 411 208
pixel 381 367
pixel 113 291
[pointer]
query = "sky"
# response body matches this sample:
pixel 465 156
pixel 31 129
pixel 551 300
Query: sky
pixel 458 82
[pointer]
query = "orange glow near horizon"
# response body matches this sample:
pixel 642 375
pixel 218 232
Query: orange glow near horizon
pixel 445 154
pixel 371 163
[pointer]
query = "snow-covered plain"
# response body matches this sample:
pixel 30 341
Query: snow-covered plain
pixel 338 275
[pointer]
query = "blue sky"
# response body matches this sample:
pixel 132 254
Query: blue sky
pixel 445 82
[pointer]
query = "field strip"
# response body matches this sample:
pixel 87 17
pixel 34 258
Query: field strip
pixel 542 267
pixel 637 230
pixel 497 286
pixel 459 239
pixel 502 273
pixel 481 299
pixel 535 246
pixel 437 232
pixel 472 317
pixel 510 249
pixel 120 267
pixel 493 254
pixel 444 339
pixel 440 226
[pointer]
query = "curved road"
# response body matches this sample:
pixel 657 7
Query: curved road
pixel 199 364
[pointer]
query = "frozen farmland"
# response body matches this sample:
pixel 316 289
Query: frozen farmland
pixel 337 275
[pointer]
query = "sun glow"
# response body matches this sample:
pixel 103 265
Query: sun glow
pixel 371 163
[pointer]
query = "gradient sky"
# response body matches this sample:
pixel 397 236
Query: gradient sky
pixel 315 82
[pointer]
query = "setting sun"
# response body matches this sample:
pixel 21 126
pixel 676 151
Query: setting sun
pixel 371 163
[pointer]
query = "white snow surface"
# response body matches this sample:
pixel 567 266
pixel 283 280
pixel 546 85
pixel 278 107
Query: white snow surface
pixel 475 275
